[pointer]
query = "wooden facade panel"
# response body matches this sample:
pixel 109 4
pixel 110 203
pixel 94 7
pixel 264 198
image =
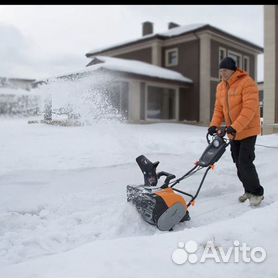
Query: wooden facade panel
pixel 185 104
pixel 189 66
pixel 144 55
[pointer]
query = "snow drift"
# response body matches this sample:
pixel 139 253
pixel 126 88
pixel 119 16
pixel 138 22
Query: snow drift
pixel 63 209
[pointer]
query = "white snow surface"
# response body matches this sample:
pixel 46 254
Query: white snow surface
pixel 182 29
pixel 63 209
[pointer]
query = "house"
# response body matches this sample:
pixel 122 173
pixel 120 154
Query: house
pixel 193 51
pixel 270 104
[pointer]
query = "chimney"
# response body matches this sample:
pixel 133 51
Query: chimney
pixel 172 25
pixel 147 28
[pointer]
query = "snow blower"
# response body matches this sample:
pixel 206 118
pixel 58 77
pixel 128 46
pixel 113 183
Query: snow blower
pixel 161 205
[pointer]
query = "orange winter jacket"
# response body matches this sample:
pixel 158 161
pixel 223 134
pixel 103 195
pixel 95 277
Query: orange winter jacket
pixel 237 102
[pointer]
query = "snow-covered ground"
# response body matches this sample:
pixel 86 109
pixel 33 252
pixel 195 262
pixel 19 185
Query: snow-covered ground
pixel 63 209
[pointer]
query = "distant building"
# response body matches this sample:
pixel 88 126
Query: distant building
pixel 194 51
pixel 16 83
pixel 270 104
pixel 16 98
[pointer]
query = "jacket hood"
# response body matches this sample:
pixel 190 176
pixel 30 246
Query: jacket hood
pixel 238 74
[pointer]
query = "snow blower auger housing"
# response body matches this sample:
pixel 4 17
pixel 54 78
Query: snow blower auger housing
pixel 161 205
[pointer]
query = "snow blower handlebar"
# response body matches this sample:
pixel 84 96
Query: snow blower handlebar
pixel 220 132
pixel 215 149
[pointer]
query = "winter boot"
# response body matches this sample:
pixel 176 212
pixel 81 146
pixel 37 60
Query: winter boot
pixel 255 200
pixel 244 197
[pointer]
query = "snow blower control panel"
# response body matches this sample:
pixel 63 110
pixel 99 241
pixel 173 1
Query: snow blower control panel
pixel 214 150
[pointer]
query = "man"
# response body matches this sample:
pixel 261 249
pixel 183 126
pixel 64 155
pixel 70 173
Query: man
pixel 237 102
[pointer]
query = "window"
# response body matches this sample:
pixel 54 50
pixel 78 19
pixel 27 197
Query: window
pixel 161 103
pixel 246 63
pixel 171 57
pixel 222 54
pixel 237 57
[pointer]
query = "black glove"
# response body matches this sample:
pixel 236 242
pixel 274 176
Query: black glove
pixel 230 130
pixel 212 130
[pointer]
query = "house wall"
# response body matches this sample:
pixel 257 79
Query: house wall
pixel 205 61
pixel 134 110
pixel 144 55
pixel 185 108
pixel 188 65
pixel 276 64
pixel 215 57
pixel 270 68
pixel 142 101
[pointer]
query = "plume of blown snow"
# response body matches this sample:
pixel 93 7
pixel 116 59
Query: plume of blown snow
pixel 87 97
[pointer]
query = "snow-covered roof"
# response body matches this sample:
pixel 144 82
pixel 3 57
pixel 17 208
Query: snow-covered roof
pixel 176 31
pixel 125 66
pixel 137 67
pixel 170 33
pixel 182 29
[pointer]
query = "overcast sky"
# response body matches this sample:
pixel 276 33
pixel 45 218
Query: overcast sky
pixel 38 41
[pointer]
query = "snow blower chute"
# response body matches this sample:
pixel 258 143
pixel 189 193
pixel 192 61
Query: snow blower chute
pixel 161 205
